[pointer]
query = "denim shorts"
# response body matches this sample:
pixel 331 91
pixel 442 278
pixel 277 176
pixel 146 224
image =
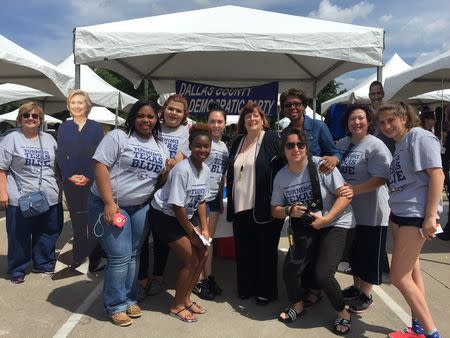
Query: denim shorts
pixel 407 221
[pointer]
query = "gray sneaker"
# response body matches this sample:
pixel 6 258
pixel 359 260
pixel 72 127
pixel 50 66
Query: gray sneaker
pixel 141 293
pixel 155 287
pixel 364 303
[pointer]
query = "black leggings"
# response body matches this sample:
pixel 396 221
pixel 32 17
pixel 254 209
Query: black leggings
pixel 160 257
pixel 327 246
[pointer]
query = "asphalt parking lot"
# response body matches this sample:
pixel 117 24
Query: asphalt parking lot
pixel 72 306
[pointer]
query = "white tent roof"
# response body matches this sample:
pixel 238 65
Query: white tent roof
pixel 426 77
pixel 11 117
pixel 19 66
pixel 360 93
pixel 100 91
pixel 432 97
pixel 103 115
pixel 11 92
pixel 229 46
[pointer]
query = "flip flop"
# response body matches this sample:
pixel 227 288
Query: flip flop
pixel 347 323
pixel 292 315
pixel 198 306
pixel 177 315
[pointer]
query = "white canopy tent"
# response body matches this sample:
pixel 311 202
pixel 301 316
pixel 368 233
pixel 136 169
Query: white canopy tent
pixel 229 46
pixel 11 117
pixel 100 91
pixel 11 92
pixel 19 66
pixel 360 93
pixel 426 77
pixel 437 96
pixel 103 115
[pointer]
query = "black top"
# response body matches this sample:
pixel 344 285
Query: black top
pixel 267 164
pixel 76 148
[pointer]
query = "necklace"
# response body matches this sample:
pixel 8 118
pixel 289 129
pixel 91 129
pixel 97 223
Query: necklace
pixel 244 152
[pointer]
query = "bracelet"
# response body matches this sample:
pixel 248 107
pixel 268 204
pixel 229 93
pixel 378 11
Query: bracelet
pixel 287 210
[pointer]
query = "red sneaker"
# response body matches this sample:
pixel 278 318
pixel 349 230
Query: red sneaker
pixel 407 332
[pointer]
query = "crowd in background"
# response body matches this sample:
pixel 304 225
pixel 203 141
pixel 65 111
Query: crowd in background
pixel 157 176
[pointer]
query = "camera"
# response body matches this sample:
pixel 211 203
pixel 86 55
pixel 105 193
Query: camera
pixel 307 218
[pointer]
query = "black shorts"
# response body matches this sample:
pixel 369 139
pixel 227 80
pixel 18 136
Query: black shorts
pixel 407 221
pixel 367 253
pixel 214 205
pixel 164 227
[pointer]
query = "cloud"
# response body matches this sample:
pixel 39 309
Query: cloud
pixel 328 11
pixel 384 19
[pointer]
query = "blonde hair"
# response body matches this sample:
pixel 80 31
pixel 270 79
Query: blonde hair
pixel 28 107
pixel 80 92
pixel 401 109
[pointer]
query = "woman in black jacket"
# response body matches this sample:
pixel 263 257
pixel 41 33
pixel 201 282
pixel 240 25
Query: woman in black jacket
pixel 252 167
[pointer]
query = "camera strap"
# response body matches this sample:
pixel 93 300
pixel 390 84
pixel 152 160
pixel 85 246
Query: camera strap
pixel 316 203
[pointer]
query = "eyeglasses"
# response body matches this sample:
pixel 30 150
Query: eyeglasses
pixel 292 104
pixel 292 145
pixel 33 115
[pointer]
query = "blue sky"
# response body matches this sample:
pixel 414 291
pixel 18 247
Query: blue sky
pixel 417 30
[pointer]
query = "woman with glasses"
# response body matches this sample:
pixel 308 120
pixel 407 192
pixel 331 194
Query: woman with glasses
pixel 26 155
pixel 319 220
pixel 249 187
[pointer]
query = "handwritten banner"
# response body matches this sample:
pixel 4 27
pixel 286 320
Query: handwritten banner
pixel 232 100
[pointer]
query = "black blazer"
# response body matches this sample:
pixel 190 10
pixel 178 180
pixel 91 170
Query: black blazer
pixel 267 164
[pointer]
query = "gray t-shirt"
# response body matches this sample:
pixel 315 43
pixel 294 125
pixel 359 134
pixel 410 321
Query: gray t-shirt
pixel 20 157
pixel 134 165
pixel 176 140
pixel 185 187
pixel 408 182
pixel 290 188
pixel 369 158
pixel 217 163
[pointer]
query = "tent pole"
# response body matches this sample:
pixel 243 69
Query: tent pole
pixel 380 74
pixel 77 66
pixel 314 99
pixel 145 89
pixel 117 111
pixel 77 76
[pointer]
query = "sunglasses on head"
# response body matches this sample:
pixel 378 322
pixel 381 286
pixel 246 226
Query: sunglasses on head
pixel 292 145
pixel 290 104
pixel 33 115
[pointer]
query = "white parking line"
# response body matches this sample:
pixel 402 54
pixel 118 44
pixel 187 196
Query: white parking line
pixel 393 305
pixel 68 326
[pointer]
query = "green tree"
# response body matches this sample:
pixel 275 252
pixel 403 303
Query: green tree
pixel 121 83
pixel 332 89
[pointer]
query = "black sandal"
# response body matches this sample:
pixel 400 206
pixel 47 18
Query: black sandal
pixel 292 315
pixel 342 322
pixel 307 302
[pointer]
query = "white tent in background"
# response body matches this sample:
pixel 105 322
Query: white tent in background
pixel 229 46
pixel 11 92
pixel 11 117
pixel 100 91
pixel 435 97
pixel 426 77
pixel 19 66
pixel 103 115
pixel 360 93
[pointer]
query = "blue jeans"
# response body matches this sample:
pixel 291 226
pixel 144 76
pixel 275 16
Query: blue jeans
pixel 32 238
pixel 122 247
